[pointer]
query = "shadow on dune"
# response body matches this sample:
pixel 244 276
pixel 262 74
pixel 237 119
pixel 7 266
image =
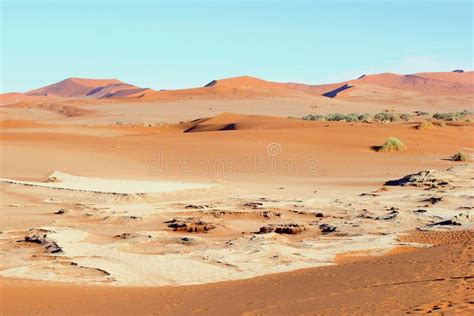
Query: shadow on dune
pixel 211 128
pixel 333 93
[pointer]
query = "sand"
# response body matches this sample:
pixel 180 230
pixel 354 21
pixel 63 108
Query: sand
pixel 62 181
pixel 208 199
pixel 394 284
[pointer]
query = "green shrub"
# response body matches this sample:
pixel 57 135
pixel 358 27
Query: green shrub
pixel 451 116
pixel 459 156
pixel 314 117
pixel 405 116
pixel 365 117
pixel 336 117
pixel 353 117
pixel 422 113
pixel 386 117
pixel 392 144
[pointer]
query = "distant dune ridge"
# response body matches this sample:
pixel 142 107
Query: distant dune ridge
pixel 428 83
pixel 82 88
pixel 246 87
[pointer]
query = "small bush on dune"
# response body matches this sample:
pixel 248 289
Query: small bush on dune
pixel 365 117
pixel 336 117
pixel 386 117
pixel 392 144
pixel 405 117
pixel 425 125
pixel 459 156
pixel 353 117
pixel 422 113
pixel 451 116
pixel 314 117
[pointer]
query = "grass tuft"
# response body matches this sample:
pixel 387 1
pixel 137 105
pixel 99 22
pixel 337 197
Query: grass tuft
pixel 425 125
pixel 459 156
pixel 392 144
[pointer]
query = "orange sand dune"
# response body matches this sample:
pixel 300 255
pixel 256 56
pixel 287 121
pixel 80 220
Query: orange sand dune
pixel 314 89
pixel 466 78
pixel 237 88
pixel 230 121
pixel 246 87
pixel 81 88
pixel 426 83
pixel 14 97
pixel 327 143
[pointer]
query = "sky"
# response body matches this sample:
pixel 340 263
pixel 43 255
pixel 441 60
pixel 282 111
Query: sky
pixel 181 44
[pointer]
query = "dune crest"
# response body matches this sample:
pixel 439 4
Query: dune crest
pixel 81 88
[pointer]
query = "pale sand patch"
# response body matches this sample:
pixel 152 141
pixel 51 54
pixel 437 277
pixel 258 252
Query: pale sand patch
pixel 77 183
pixel 246 257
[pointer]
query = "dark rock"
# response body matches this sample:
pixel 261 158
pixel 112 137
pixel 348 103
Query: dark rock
pixel 431 178
pixel 369 194
pixel 433 200
pixel 290 229
pixel 267 229
pixel 191 224
pixel 319 214
pixel 448 222
pixel 41 238
pixel 60 211
pixel 253 205
pixel 388 216
pixel 326 228
pixel 197 207
pixel 270 214
pixel 420 211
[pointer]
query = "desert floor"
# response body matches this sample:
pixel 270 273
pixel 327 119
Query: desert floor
pixel 267 215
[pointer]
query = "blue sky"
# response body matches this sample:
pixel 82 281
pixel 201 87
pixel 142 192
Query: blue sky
pixel 176 44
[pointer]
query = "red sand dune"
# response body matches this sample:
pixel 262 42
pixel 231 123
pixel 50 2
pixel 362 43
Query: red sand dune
pixel 14 97
pixel 230 121
pixel 466 78
pixel 249 87
pixel 81 88
pixel 245 87
pixel 236 88
pixel 428 83
pixel 421 83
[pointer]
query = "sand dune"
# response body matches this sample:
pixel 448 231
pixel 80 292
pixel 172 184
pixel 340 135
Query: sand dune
pixel 231 121
pixel 138 229
pixel 465 78
pixel 458 83
pixel 81 88
pixel 372 93
pixel 244 87
pixel 424 83
pixel 14 97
